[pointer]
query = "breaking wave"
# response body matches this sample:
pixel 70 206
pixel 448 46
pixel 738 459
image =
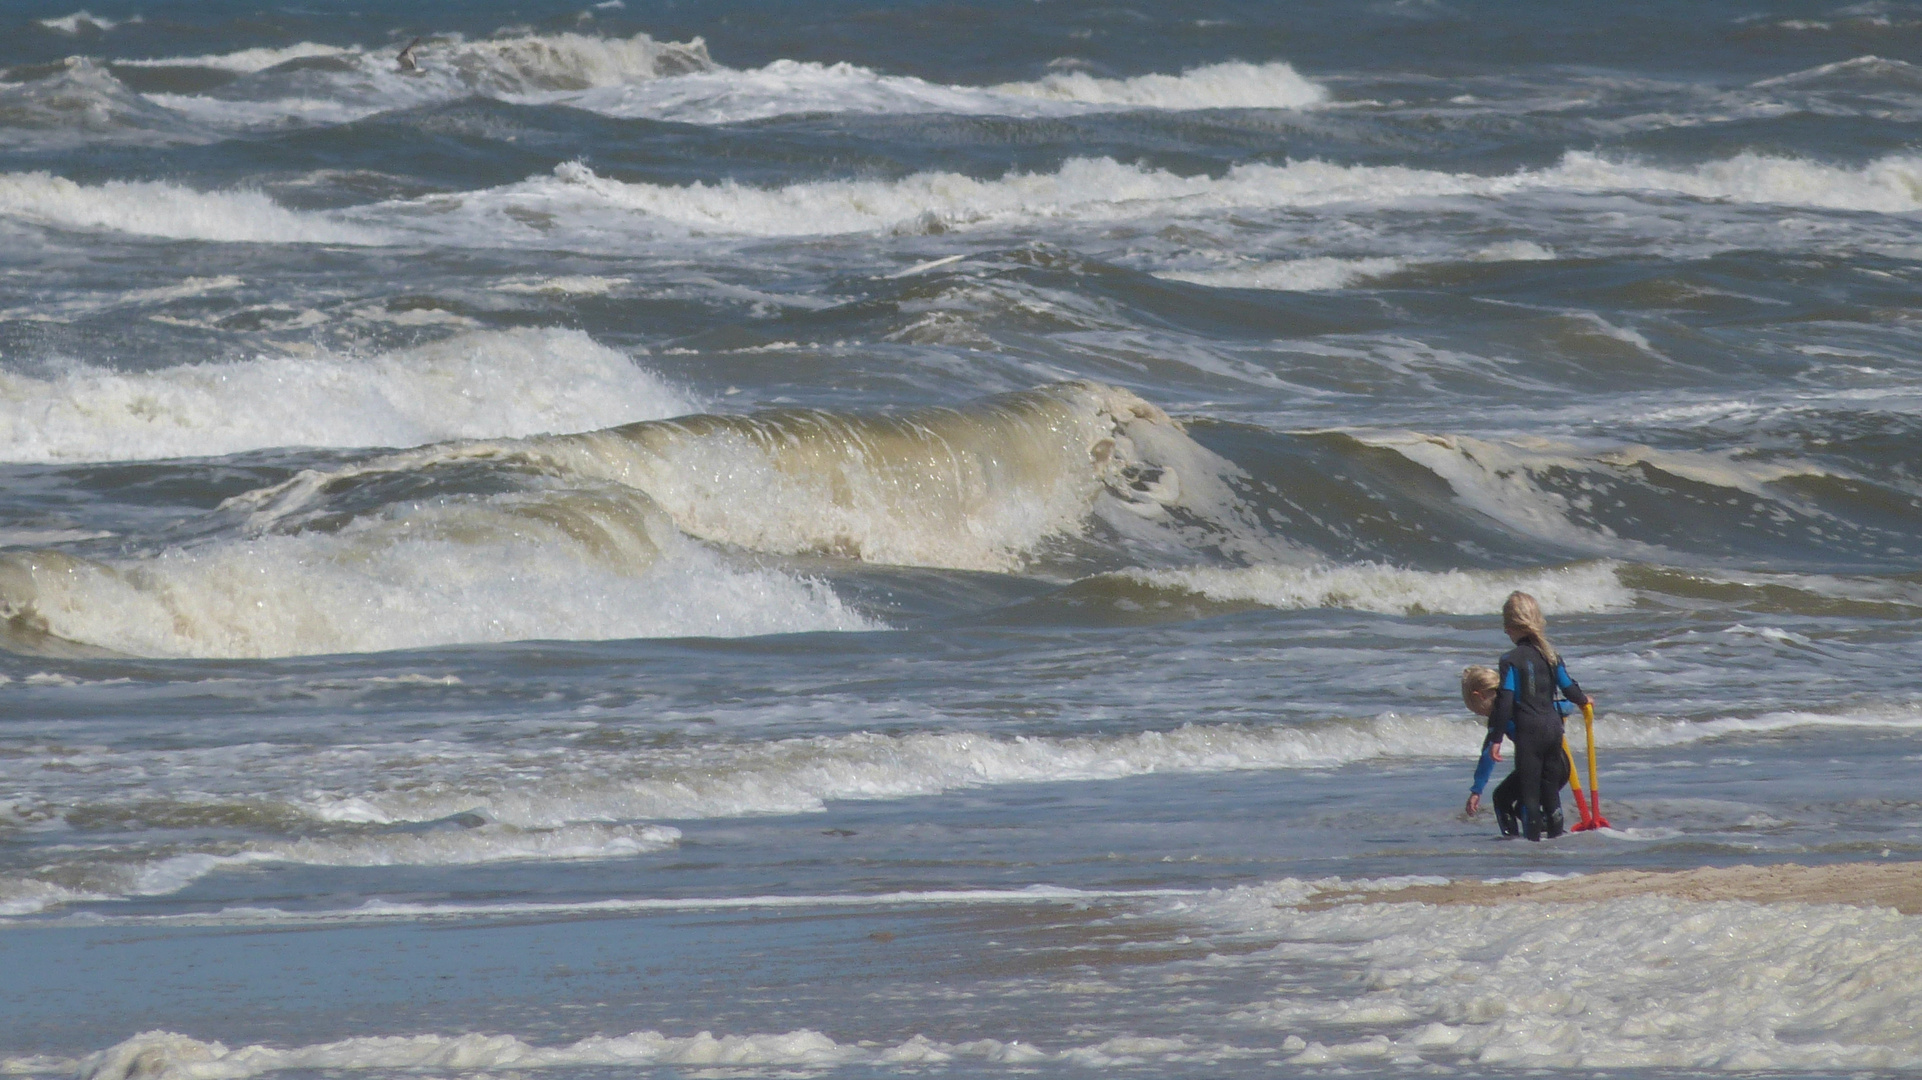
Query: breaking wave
pixel 981 487
pixel 577 566
pixel 487 383
pixel 641 77
pixel 596 541
pixel 577 206
pixel 158 208
pixel 785 87
pixel 1101 189
pixel 83 102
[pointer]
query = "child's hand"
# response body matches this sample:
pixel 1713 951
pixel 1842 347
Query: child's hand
pixel 1474 803
pixel 1495 751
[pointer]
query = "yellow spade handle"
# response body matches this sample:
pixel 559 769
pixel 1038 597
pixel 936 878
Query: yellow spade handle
pixel 1588 721
pixel 1574 774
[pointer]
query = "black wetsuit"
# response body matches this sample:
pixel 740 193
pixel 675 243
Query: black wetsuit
pixel 1508 796
pixel 1526 699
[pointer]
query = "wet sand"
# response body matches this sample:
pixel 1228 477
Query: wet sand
pixel 1895 885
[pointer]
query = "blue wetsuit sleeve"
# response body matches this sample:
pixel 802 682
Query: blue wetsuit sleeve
pixel 1483 769
pixel 1570 688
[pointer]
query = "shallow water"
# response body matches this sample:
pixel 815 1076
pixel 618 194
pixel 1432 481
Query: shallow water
pixel 908 537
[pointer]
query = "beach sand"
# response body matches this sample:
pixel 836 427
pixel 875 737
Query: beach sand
pixel 1895 885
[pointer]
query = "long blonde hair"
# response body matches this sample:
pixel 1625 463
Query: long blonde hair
pixel 1521 612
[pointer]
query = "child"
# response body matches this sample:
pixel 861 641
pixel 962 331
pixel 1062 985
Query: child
pixel 1531 678
pixel 1479 683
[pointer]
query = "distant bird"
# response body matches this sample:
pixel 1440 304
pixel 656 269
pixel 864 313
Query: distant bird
pixel 406 58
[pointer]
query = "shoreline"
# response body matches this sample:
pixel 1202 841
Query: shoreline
pixel 1896 885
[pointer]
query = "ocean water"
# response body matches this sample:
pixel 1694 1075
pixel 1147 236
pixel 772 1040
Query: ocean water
pixel 874 539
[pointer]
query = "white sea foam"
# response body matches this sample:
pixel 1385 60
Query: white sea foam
pixel 804 774
pixel 570 565
pixel 1890 185
pixel 1730 986
pixel 723 95
pixel 1233 85
pixel 1853 73
pixel 1515 251
pixel 576 206
pixel 488 383
pixel 72 24
pixel 361 82
pixel 565 285
pixel 454 846
pixel 25 896
pixel 1101 189
pixel 162 1055
pixel 1641 983
pixel 388 910
pixel 1330 272
pixel 245 61
pixel 1585 587
pixel 589 802
pixel 162 209
pixel 1291 275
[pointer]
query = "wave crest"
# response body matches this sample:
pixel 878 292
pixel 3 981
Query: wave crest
pixel 487 383
pixel 979 487
pixel 1233 85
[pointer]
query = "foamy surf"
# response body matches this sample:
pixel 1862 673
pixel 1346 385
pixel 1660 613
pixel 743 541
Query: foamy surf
pixel 457 844
pixel 1586 587
pixel 162 209
pixel 243 61
pixel 162 1055
pixel 785 87
pixel 803 775
pixel 1101 189
pixel 575 566
pixel 1574 985
pixel 642 77
pixel 475 385
pixel 579 554
pixel 577 206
